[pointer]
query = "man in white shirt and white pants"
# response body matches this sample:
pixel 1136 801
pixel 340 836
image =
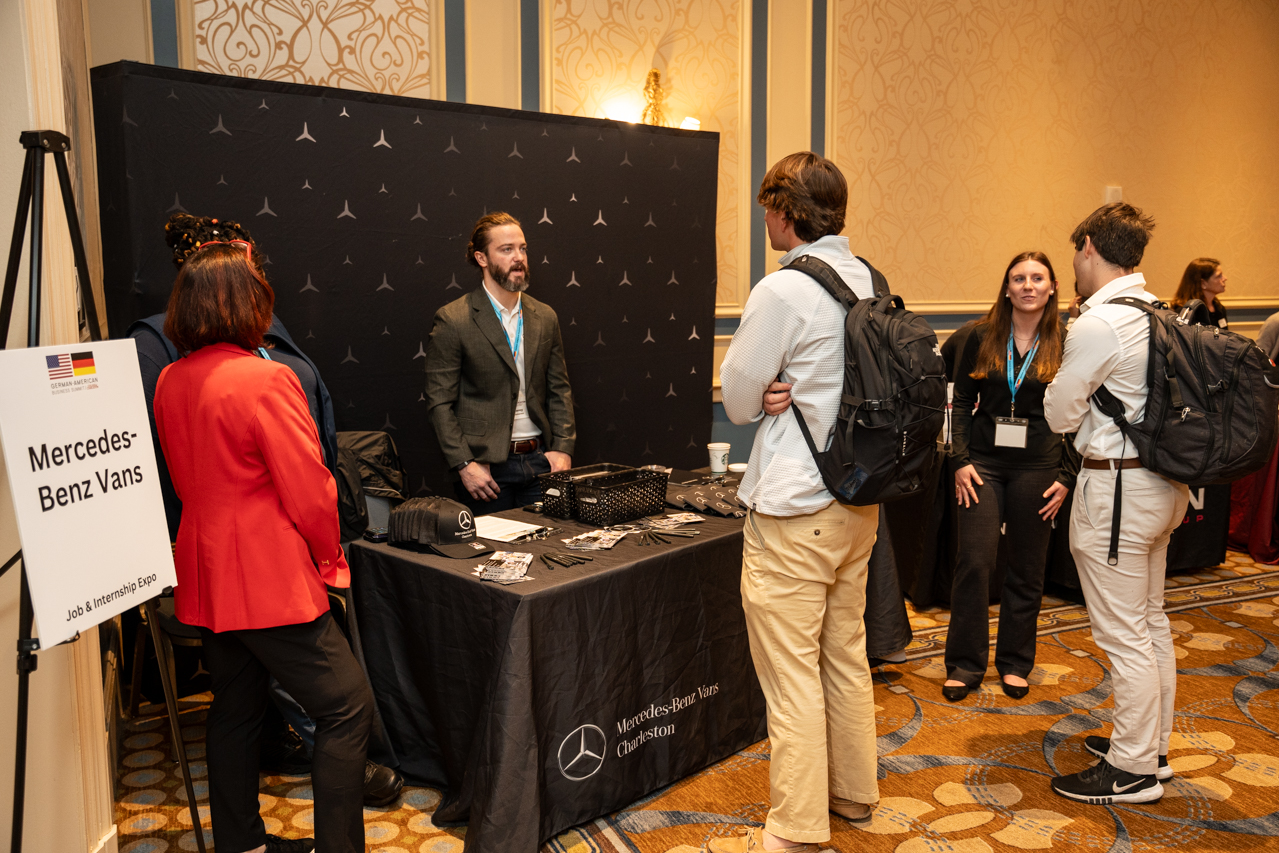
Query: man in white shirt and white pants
pixel 805 555
pixel 1109 344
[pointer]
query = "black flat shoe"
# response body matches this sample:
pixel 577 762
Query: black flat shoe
pixel 1012 691
pixel 955 693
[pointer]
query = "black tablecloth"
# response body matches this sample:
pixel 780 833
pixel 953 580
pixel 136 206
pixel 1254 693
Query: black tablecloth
pixel 541 705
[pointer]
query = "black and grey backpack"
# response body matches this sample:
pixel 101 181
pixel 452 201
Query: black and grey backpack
pixel 894 398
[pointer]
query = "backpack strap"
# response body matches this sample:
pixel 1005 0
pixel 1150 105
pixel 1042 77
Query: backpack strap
pixel 826 276
pixel 877 279
pixel 829 279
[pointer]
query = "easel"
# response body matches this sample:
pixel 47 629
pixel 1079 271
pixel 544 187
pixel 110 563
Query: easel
pixel 31 200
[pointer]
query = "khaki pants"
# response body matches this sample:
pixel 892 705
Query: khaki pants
pixel 1126 603
pixel 804 591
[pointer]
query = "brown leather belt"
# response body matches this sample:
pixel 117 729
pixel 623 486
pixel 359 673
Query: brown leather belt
pixel 1111 464
pixel 525 445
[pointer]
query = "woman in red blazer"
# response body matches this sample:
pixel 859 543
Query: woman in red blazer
pixel 257 544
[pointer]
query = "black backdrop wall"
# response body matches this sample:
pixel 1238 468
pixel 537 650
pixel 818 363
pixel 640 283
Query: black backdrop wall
pixel 363 204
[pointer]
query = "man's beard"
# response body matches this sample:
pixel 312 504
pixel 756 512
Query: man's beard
pixel 503 277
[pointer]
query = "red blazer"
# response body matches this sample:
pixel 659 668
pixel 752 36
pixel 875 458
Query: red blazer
pixel 259 536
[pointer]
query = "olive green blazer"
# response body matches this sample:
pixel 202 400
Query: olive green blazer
pixel 472 384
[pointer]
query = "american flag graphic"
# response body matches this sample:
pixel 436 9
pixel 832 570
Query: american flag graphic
pixel 60 366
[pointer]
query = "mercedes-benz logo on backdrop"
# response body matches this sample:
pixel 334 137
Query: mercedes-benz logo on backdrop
pixel 464 520
pixel 582 753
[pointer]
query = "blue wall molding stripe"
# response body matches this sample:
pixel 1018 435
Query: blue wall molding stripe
pixel 164 33
pixel 530 55
pixel 758 132
pixel 455 50
pixel 819 78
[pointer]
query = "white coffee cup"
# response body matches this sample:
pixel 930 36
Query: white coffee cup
pixel 719 456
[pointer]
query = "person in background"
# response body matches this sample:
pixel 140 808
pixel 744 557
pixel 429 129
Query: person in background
pixel 1009 474
pixel 257 545
pixel 286 749
pixel 497 386
pixel 1268 337
pixel 1206 281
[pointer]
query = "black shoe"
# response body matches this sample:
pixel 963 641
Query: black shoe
pixel 1100 747
pixel 285 755
pixel 955 693
pixel 276 844
pixel 1013 691
pixel 1103 784
pixel 382 785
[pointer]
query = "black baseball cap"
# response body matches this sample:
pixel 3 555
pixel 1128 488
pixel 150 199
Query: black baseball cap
pixel 443 526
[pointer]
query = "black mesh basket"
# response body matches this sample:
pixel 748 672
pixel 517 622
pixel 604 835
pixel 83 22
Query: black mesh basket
pixel 604 494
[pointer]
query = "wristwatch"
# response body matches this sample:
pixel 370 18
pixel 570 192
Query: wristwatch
pixel 463 465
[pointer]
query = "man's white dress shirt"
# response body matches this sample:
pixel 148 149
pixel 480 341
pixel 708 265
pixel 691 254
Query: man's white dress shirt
pixel 523 426
pixel 793 328
pixel 1107 344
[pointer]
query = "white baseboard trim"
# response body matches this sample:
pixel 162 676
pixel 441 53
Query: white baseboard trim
pixel 110 842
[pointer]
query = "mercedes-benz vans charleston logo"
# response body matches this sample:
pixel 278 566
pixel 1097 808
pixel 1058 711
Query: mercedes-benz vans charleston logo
pixel 582 753
pixel 464 520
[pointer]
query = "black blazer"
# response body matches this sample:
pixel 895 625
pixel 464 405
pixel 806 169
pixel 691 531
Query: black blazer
pixel 472 384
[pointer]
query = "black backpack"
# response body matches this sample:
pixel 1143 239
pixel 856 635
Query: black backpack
pixel 1212 410
pixel 1212 414
pixel 894 399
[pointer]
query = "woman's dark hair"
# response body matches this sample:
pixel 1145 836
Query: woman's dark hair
pixel 808 190
pixel 1192 282
pixel 992 357
pixel 185 234
pixel 480 234
pixel 218 297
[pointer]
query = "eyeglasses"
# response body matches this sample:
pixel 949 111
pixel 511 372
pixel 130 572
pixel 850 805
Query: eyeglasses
pixel 239 244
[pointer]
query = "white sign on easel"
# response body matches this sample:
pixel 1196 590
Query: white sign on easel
pixel 86 490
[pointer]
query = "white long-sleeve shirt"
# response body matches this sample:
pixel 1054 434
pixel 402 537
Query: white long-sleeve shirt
pixel 1107 344
pixel 793 328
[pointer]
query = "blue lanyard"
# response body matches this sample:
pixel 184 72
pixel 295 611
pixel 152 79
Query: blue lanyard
pixel 519 330
pixel 1015 385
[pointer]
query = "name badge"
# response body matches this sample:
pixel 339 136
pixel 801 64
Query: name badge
pixel 521 407
pixel 1011 432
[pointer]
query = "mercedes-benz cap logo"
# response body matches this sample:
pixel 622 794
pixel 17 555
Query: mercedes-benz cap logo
pixel 582 753
pixel 464 520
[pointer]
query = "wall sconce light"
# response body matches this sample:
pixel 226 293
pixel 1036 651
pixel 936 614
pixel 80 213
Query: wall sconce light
pixel 654 96
pixel 690 123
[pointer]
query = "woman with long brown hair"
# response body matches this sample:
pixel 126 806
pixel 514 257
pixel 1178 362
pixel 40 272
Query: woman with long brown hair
pixel 1203 280
pixel 1008 474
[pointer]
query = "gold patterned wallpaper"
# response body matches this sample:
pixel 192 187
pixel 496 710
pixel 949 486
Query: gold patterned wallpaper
pixel 372 45
pixel 973 131
pixel 601 52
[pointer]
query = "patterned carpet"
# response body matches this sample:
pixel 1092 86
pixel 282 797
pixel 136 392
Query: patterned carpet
pixel 967 778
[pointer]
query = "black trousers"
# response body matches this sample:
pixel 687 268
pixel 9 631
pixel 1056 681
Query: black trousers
pixel 314 663
pixel 1012 498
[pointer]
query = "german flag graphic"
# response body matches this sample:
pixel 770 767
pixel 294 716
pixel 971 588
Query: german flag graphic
pixel 82 362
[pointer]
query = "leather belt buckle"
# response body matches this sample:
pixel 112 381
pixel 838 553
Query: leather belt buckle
pixel 523 446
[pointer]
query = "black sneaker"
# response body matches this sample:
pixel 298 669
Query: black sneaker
pixel 1102 784
pixel 276 844
pixel 382 785
pixel 1100 747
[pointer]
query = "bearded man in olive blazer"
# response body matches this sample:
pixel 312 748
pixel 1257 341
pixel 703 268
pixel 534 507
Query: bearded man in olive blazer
pixel 496 382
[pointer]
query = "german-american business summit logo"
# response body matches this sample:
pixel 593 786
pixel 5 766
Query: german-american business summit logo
pixel 71 371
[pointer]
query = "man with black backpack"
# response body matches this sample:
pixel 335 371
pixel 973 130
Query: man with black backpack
pixel 805 555
pixel 1108 349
